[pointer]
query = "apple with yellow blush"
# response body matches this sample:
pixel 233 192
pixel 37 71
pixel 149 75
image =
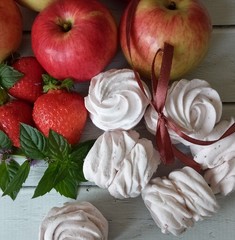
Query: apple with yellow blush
pixel 35 5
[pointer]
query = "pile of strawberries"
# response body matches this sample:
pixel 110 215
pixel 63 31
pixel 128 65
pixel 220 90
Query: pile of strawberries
pixel 30 96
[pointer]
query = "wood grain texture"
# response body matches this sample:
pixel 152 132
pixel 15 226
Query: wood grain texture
pixel 129 219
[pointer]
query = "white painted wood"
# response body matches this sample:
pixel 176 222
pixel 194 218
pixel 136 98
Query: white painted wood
pixel 221 12
pixel 129 219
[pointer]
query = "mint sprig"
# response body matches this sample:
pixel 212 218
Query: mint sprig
pixel 64 171
pixel 65 162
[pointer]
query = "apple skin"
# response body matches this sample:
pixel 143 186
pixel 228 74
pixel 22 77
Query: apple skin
pixel 11 26
pixel 81 51
pixel 188 28
pixel 35 5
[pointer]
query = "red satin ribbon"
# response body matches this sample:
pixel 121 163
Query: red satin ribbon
pixel 167 150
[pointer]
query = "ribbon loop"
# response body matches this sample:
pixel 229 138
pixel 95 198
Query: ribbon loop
pixel 160 88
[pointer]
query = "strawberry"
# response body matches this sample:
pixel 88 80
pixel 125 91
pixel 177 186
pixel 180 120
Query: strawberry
pixel 62 111
pixel 30 86
pixel 12 113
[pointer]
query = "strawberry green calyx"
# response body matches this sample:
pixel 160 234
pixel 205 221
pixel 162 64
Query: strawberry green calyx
pixel 51 83
pixel 4 97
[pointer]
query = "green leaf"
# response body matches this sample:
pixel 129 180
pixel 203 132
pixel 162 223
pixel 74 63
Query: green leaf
pixel 58 147
pixel 17 181
pixel 8 171
pixel 5 142
pixel 76 171
pixel 77 157
pixel 4 97
pixel 33 142
pixel 68 187
pixel 80 151
pixel 55 173
pixel 9 76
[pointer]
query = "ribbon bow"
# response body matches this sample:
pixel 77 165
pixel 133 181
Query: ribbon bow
pixel 167 150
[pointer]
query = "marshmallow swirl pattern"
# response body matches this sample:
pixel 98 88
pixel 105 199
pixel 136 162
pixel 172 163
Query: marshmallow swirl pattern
pixel 81 221
pixel 221 151
pixel 177 202
pixel 167 206
pixel 121 162
pixel 218 159
pixel 222 177
pixel 198 196
pixel 115 100
pixel 193 105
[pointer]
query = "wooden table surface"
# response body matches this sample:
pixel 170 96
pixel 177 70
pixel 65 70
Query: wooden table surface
pixel 129 219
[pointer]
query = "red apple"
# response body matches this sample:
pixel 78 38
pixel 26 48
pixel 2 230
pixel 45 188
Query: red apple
pixel 11 26
pixel 75 39
pixel 185 24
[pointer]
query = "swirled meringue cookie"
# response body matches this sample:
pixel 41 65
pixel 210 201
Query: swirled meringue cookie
pixel 219 152
pixel 121 162
pixel 198 196
pixel 218 159
pixel 81 221
pixel 193 105
pixel 115 100
pixel 222 177
pixel 176 202
pixel 167 206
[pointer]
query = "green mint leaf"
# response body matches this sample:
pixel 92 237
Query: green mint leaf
pixel 8 170
pixel 77 156
pixel 4 179
pixel 55 173
pixel 80 151
pixel 68 187
pixel 76 171
pixel 58 147
pixel 17 181
pixel 5 142
pixel 9 76
pixel 4 97
pixel 33 142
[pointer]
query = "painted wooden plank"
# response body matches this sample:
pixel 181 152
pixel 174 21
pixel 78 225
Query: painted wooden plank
pixel 218 67
pixel 128 219
pixel 221 12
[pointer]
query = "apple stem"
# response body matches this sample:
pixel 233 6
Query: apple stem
pixel 172 5
pixel 66 26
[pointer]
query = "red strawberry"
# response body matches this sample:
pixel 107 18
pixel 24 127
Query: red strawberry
pixel 62 111
pixel 29 87
pixel 12 114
